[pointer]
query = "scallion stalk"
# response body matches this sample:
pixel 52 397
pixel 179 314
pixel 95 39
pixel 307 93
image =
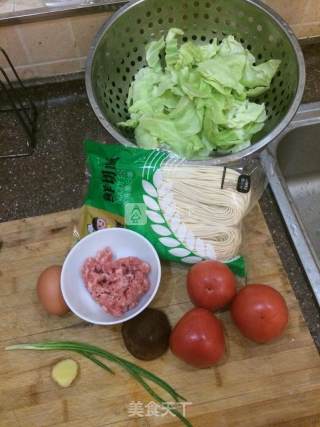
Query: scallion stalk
pixel 91 352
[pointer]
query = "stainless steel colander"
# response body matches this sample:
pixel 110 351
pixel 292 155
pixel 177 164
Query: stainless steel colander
pixel 118 52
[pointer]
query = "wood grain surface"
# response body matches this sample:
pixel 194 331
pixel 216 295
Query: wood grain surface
pixel 277 384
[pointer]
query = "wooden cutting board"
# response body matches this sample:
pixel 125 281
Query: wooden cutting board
pixel 257 385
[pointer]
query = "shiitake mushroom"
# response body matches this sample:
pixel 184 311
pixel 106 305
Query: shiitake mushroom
pixel 146 336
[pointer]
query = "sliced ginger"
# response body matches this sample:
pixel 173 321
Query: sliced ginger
pixel 65 372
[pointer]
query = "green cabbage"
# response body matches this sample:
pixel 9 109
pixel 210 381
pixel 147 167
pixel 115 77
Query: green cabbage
pixel 198 102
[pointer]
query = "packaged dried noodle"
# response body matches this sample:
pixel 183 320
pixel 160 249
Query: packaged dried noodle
pixel 189 211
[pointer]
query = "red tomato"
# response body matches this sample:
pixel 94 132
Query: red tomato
pixel 198 338
pixel 211 285
pixel 260 312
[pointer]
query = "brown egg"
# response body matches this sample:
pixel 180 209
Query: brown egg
pixel 49 291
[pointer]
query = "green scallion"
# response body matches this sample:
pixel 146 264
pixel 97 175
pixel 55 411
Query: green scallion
pixel 92 352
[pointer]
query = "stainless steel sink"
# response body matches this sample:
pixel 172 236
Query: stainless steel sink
pixel 292 163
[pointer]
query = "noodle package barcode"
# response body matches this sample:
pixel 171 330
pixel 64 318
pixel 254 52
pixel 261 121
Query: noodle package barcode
pixel 188 211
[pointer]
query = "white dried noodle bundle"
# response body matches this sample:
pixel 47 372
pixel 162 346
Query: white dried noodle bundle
pixel 200 212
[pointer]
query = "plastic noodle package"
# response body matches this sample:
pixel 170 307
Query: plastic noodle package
pixel 189 211
pixel 203 216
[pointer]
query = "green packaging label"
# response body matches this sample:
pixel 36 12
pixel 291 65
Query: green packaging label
pixel 128 182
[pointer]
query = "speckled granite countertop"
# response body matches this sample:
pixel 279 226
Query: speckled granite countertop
pixel 52 179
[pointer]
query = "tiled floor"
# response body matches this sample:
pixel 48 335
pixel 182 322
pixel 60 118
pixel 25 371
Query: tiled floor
pixel 8 6
pixel 46 48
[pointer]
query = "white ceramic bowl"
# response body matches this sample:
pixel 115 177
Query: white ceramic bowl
pixel 123 243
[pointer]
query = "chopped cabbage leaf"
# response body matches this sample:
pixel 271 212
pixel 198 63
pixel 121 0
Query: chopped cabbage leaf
pixel 198 101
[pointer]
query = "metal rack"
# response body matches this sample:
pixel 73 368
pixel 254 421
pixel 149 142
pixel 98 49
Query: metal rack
pixel 15 98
